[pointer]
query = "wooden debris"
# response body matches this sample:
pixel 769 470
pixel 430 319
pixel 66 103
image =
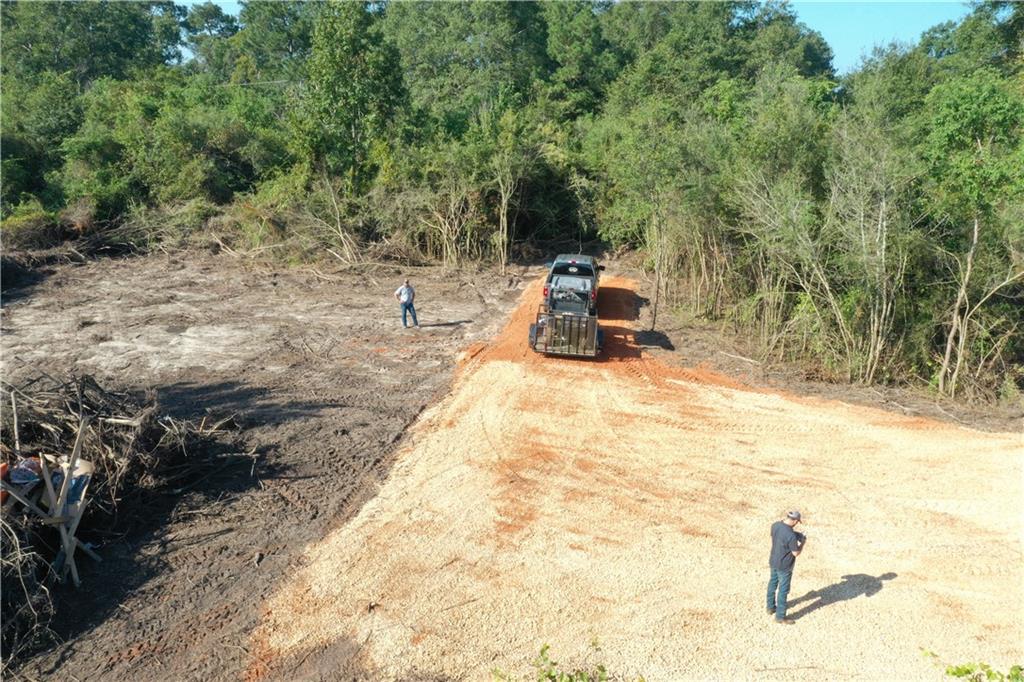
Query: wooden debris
pixel 104 446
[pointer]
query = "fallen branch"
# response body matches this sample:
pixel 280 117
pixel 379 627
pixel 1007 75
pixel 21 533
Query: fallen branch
pixel 951 416
pixel 740 357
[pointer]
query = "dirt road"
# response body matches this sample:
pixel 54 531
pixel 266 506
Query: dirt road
pixel 627 502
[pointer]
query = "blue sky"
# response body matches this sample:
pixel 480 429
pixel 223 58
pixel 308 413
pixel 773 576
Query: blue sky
pixel 851 28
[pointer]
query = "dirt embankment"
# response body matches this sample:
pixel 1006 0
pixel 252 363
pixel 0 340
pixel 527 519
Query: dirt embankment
pixel 626 501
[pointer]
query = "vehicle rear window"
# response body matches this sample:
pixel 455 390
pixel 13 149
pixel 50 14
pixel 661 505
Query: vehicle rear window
pixel 577 269
pixel 569 282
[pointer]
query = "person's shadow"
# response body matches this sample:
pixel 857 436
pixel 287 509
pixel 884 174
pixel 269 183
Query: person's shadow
pixel 454 323
pixel 851 587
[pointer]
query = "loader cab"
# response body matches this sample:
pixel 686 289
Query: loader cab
pixel 572 284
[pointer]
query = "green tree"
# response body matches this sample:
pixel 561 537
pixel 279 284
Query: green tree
pixel 584 64
pixel 36 119
pixel 276 37
pixel 975 152
pixel 772 34
pixel 1009 17
pixel 353 92
pixel 170 137
pixel 648 179
pixel 777 186
pixel 511 150
pixel 90 39
pixel 695 53
pixel 897 78
pixel 95 175
pixel 456 56
pixel 52 51
pixel 869 226
pixel 977 41
pixel 633 28
pixel 786 122
pixel 207 30
pixel 447 197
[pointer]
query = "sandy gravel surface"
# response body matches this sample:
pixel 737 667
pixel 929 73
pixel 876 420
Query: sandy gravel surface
pixel 557 501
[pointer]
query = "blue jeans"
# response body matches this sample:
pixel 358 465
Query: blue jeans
pixel 780 580
pixel 408 308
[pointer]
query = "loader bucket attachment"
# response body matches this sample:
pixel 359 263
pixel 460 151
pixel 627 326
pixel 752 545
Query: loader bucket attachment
pixel 565 334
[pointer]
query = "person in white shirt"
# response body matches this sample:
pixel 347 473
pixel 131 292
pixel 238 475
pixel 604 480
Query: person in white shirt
pixel 406 295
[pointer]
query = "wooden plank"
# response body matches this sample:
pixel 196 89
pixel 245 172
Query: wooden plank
pixel 73 541
pixel 66 483
pixel 48 482
pixel 20 497
pixel 67 540
pixel 14 413
pixel 74 568
pixel 88 551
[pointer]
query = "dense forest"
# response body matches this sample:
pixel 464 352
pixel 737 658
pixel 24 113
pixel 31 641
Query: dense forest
pixel 872 223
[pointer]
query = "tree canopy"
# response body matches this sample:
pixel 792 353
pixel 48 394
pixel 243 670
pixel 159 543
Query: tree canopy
pixel 869 223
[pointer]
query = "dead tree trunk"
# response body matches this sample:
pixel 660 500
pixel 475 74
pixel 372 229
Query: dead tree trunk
pixel 956 325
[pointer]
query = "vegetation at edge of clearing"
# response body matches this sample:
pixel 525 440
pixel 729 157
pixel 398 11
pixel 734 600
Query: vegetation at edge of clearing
pixel 982 672
pixel 870 224
pixel 547 670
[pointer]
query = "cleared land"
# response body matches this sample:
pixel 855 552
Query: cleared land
pixel 553 501
pixel 322 382
pixel 534 500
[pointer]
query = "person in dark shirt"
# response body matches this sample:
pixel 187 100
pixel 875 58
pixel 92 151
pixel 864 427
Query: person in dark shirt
pixel 786 547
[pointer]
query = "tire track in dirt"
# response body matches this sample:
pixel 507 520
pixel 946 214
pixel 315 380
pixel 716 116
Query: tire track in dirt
pixel 556 501
pixel 318 375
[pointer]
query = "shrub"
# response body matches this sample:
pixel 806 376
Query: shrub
pixel 171 225
pixel 31 226
pixel 983 672
pixel 551 671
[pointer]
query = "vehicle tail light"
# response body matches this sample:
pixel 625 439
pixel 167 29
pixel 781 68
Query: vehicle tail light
pixel 545 292
pixel 593 295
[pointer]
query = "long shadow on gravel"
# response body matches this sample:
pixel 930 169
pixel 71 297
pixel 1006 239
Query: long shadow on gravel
pixel 618 304
pixel 18 279
pixel 653 338
pixel 850 587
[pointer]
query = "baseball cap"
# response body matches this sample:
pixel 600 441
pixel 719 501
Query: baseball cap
pixel 793 514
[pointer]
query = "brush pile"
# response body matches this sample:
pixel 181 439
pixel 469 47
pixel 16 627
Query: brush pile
pixel 131 447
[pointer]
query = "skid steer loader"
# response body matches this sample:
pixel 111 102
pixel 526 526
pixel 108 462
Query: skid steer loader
pixel 566 321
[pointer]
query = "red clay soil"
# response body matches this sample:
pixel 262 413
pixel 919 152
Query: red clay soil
pixel 556 501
